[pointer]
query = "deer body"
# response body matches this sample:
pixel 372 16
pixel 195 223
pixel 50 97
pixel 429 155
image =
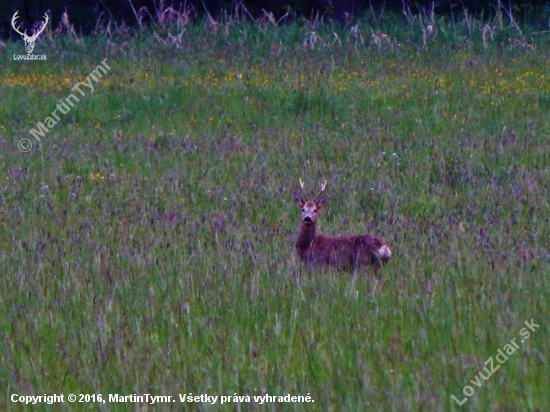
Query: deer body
pixel 339 252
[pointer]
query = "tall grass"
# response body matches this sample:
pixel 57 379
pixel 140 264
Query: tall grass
pixel 147 242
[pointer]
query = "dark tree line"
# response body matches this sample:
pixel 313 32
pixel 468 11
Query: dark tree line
pixel 85 13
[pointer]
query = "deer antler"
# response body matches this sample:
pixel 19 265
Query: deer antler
pixel 25 35
pixel 37 33
pixel 323 186
pixel 301 184
pixel 14 18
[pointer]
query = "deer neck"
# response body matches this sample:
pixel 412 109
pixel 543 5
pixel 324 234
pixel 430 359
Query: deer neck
pixel 305 236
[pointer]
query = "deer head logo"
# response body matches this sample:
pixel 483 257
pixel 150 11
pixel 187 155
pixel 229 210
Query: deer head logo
pixel 30 40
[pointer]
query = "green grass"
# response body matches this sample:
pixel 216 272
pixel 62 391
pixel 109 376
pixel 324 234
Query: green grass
pixel 147 242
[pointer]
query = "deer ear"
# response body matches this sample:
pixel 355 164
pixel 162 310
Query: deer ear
pixel 321 201
pixel 298 199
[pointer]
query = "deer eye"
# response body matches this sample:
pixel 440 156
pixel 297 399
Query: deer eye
pixel 303 210
pixel 315 211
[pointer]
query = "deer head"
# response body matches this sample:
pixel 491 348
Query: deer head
pixel 29 40
pixel 310 208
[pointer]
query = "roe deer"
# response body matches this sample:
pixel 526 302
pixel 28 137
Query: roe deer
pixel 340 252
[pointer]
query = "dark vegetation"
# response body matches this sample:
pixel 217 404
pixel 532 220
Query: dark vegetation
pixel 86 14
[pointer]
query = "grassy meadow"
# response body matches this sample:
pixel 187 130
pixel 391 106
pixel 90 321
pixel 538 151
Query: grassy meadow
pixel 147 241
